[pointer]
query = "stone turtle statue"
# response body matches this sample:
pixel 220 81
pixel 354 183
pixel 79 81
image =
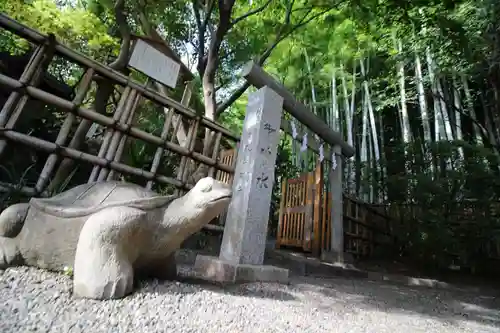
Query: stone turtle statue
pixel 107 231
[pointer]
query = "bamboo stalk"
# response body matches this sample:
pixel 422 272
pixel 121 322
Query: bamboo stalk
pixel 34 72
pixel 123 140
pixel 191 139
pixel 107 121
pixel 115 139
pixel 458 120
pixel 477 131
pixel 26 190
pixel 215 153
pixel 186 98
pixel 405 120
pixel 335 123
pixel 26 77
pixel 311 82
pixel 63 134
pixel 35 37
pixel 180 134
pixel 177 125
pixel 40 67
pixel 109 133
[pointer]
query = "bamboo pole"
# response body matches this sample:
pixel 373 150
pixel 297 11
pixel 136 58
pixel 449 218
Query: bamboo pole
pixel 32 75
pixel 215 153
pixel 115 139
pixel 74 154
pixel 109 133
pixel 191 139
pixel 109 122
pixel 25 190
pixel 35 37
pixel 35 81
pixel 186 98
pixel 123 140
pixel 62 137
pixel 181 135
pixel 26 77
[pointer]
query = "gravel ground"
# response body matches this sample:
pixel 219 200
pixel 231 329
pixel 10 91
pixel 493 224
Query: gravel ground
pixel 33 300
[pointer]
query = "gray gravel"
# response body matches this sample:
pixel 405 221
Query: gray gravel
pixel 33 300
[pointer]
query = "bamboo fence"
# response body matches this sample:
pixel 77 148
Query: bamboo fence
pixel 119 127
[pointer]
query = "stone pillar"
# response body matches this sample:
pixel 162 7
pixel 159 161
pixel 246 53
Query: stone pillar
pixel 244 241
pixel 336 253
pixel 337 212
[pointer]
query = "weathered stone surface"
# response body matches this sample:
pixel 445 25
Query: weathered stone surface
pixel 245 231
pixel 108 231
pixel 215 269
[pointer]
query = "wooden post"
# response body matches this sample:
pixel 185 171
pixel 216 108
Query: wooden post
pixel 318 193
pixel 309 212
pixel 279 231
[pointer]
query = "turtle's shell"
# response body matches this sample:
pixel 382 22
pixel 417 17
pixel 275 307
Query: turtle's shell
pixel 87 199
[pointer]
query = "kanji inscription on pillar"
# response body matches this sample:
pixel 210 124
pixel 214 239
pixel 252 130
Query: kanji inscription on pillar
pixel 247 218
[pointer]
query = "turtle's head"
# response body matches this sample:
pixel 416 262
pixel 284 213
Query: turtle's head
pixel 204 202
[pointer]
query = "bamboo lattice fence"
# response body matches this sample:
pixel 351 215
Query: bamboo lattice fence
pixel 120 125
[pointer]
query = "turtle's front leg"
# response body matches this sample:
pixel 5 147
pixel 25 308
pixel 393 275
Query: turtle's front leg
pixel 9 253
pixel 103 260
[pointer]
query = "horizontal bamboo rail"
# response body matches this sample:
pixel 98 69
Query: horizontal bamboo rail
pixel 37 38
pixel 25 190
pixel 53 148
pixel 103 120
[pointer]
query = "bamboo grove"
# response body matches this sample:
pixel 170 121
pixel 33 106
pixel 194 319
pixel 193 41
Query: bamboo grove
pixel 419 101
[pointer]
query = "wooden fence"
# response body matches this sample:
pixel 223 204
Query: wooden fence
pixel 120 125
pixel 305 220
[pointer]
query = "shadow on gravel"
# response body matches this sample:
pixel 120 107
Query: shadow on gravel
pixel 191 285
pixel 447 305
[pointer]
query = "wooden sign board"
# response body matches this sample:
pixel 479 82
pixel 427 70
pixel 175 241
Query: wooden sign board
pixel 148 60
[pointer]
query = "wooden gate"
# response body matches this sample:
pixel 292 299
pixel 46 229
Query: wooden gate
pixel 300 212
pixel 226 157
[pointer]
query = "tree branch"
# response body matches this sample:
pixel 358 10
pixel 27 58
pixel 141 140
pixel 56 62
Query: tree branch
pixel 289 11
pixel 121 61
pixel 208 13
pixel 212 59
pixel 202 29
pixel 265 55
pixel 233 98
pixel 250 13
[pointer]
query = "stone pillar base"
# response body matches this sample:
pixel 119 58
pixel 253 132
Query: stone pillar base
pixel 215 269
pixel 334 257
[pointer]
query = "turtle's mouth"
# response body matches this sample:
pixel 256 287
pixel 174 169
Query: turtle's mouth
pixel 221 198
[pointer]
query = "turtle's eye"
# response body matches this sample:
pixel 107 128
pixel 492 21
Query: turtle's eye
pixel 207 188
pixel 206 184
